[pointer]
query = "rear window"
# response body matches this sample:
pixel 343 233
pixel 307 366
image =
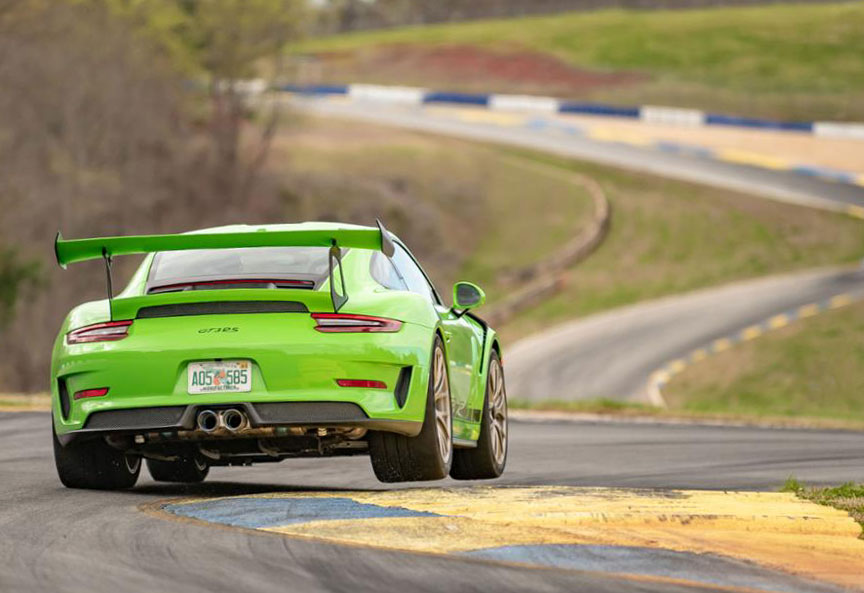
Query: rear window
pixel 248 263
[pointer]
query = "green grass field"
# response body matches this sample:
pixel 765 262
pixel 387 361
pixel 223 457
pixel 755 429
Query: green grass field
pixel 669 237
pixel 461 207
pixel 811 368
pixel 785 60
pixel 847 497
pixel 483 211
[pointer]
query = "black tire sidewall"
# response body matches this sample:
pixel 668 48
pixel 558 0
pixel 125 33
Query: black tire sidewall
pixel 93 464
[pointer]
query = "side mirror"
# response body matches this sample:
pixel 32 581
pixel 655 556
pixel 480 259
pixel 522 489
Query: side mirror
pixel 467 295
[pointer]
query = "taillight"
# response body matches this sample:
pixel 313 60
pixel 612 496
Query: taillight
pixel 345 322
pixel 362 383
pixel 101 391
pixel 99 332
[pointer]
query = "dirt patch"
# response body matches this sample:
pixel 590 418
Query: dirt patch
pixel 465 66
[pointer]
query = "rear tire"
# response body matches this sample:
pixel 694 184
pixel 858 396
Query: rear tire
pixel 428 456
pixel 94 465
pixel 487 460
pixel 190 469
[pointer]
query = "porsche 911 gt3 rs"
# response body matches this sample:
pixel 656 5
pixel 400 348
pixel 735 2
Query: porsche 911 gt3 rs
pixel 251 344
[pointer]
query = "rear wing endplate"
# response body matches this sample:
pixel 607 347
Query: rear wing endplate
pixel 70 251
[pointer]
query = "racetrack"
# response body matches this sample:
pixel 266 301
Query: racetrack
pixel 612 355
pixel 56 539
pixel 550 137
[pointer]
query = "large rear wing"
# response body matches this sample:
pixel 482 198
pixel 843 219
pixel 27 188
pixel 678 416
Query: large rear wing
pixel 70 251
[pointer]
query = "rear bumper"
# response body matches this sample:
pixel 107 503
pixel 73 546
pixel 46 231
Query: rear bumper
pixel 148 371
pixel 261 415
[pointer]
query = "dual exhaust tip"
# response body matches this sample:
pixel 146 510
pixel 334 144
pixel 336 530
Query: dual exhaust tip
pixel 231 420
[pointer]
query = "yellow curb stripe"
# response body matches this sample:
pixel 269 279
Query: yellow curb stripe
pixel 841 300
pixel 676 366
pixel 856 211
pixel 752 332
pixel 778 321
pixel 490 117
pixel 721 345
pixel 661 377
pixel 608 135
pixel 698 355
pixel 776 530
pixel 808 310
pixel 751 158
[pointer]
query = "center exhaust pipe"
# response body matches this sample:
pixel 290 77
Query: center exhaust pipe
pixel 234 420
pixel 208 421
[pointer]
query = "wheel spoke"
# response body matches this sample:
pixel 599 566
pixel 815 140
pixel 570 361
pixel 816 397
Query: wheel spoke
pixel 441 403
pixel 497 414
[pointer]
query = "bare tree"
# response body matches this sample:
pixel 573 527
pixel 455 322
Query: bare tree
pixel 235 41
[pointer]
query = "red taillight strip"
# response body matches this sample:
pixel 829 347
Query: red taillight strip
pixel 99 392
pixel 99 332
pixel 348 323
pixel 363 383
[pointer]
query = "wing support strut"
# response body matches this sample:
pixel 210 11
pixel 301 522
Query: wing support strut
pixel 106 257
pixel 338 297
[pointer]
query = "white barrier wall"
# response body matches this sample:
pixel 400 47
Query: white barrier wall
pixel 404 95
pixel 671 116
pixel 523 103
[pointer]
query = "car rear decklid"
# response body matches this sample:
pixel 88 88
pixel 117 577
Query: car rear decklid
pixel 215 302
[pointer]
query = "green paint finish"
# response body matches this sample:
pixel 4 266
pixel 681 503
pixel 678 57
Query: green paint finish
pixel 289 359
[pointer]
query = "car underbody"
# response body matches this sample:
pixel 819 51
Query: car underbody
pixel 238 434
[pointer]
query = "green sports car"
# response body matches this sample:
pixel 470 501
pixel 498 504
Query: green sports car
pixel 251 344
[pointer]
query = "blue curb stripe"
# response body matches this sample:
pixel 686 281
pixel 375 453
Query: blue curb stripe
pixel 598 109
pixel 601 109
pixel 688 149
pixel 256 513
pixel 458 98
pixel 825 173
pixel 710 569
pixel 717 119
pixel 606 109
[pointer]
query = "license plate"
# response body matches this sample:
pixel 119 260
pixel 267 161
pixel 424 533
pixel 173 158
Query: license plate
pixel 227 376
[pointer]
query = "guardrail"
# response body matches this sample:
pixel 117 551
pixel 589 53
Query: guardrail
pixel 548 105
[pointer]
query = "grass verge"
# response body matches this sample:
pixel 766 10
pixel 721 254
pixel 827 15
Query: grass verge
pixel 812 368
pixel 669 237
pixel 847 497
pixel 617 410
pixel 784 60
pixel 14 402
pixel 468 211
pixel 479 212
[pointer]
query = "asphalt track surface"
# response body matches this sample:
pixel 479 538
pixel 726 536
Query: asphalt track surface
pixel 54 539
pixel 613 355
pixel 779 185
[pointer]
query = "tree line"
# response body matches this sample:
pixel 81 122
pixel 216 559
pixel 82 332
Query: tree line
pixel 121 116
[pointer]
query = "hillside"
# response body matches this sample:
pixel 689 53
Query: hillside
pixel 785 60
